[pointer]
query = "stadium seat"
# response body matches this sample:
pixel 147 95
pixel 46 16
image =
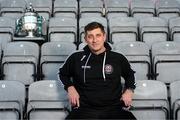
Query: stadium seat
pixel 12 100
pixel 153 29
pixel 62 29
pixel 174 28
pixel 47 101
pixel 12 8
pixel 7 28
pixel 42 7
pixel 19 62
pixel 116 8
pixel 53 55
pixel 166 61
pixel 138 55
pixel 123 29
pixel 150 100
pixel 167 9
pixel 175 99
pixel 66 8
pixel 84 21
pixel 90 8
pixel 142 9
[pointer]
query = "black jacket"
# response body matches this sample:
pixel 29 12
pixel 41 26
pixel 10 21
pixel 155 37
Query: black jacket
pixel 97 78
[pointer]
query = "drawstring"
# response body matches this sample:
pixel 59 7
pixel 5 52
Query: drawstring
pixel 85 67
pixel 104 60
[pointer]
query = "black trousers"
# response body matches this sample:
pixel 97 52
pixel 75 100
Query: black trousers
pixel 106 113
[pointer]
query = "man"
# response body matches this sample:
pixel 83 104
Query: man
pixel 96 91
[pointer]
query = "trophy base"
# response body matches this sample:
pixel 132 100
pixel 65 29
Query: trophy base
pixel 30 34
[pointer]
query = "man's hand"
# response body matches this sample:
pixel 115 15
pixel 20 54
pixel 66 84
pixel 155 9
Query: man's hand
pixel 73 96
pixel 127 97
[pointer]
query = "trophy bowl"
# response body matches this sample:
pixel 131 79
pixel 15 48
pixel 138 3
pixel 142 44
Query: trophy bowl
pixel 29 23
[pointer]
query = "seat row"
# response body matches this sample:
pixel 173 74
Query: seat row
pixel 84 8
pixel 27 62
pixel 48 100
pixel 148 30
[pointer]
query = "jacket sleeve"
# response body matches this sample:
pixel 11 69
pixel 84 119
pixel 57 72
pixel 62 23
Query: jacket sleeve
pixel 128 74
pixel 66 72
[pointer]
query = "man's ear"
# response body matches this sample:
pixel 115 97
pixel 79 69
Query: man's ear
pixel 105 36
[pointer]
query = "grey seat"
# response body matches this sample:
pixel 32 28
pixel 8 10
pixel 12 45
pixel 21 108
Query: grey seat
pixel 12 100
pixel 42 7
pixel 123 29
pixel 67 8
pixel 47 101
pixel 63 29
pixel 12 8
pixel 174 28
pixel 142 9
pixel 53 55
pixel 138 55
pixel 175 99
pixel 167 9
pixel 7 27
pixel 90 8
pixel 19 62
pixel 166 61
pixel 116 8
pixel 84 21
pixel 153 29
pixel 150 100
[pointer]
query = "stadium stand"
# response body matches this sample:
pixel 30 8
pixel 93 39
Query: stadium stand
pixel 174 29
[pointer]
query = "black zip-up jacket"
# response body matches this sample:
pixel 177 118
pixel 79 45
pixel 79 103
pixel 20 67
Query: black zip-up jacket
pixel 97 78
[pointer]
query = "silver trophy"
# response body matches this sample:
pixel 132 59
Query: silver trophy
pixel 30 24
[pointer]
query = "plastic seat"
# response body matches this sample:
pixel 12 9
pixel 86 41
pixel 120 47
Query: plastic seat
pixel 150 100
pixel 84 21
pixel 175 99
pixel 117 8
pixel 42 7
pixel 166 61
pixel 7 27
pixel 53 55
pixel 47 101
pixel 66 8
pixel 142 9
pixel 123 29
pixel 138 55
pixel 90 8
pixel 167 9
pixel 63 29
pixel 174 28
pixel 153 29
pixel 19 62
pixel 12 100
pixel 12 8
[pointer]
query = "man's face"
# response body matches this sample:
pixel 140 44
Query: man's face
pixel 95 40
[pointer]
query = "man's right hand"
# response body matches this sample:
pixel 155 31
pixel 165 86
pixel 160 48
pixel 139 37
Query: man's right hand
pixel 73 96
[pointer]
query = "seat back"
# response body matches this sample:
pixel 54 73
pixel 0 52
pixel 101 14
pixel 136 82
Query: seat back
pixel 174 28
pixel 12 100
pixel 47 100
pixel 53 55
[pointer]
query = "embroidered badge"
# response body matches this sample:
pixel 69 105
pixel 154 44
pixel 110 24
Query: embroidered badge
pixel 108 69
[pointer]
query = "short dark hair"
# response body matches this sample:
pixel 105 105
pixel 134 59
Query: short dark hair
pixel 92 26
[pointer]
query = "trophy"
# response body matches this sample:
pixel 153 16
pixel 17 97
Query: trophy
pixel 30 24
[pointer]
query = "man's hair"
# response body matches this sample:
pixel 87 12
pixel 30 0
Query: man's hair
pixel 92 26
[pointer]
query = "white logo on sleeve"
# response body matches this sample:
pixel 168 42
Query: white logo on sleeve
pixel 108 69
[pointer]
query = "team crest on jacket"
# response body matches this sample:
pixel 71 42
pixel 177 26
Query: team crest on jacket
pixel 108 69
